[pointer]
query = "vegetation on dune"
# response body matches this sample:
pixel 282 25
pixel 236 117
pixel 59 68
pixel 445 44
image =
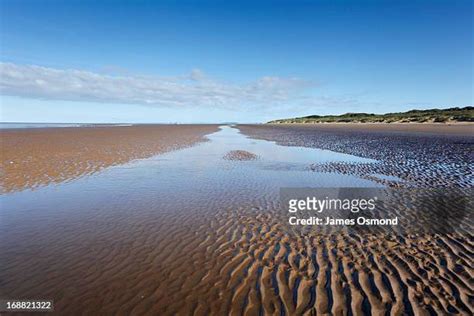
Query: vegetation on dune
pixel 456 114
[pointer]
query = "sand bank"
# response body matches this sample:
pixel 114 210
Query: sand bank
pixel 33 157
pixel 415 154
pixel 461 129
pixel 240 155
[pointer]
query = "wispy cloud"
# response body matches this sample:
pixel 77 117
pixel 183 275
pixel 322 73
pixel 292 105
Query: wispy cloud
pixel 193 89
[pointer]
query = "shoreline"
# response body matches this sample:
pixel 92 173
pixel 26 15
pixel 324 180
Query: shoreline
pixel 423 155
pixel 194 232
pixel 33 157
pixel 457 128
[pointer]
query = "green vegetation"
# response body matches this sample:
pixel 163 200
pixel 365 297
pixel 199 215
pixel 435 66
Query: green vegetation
pixel 450 115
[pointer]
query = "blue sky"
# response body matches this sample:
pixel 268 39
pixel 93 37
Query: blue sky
pixel 201 61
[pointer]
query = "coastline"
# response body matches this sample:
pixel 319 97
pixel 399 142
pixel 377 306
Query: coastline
pixel 455 128
pixel 33 157
pixel 415 155
pixel 193 231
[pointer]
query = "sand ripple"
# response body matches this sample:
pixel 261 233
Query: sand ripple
pixel 240 155
pixel 238 261
pixel 417 156
pixel 226 254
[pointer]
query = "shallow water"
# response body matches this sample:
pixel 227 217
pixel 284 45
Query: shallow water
pixel 195 180
pixel 387 177
pixel 191 232
pixel 130 212
pixel 194 173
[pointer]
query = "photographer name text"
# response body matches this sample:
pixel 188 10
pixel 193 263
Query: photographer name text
pixel 351 206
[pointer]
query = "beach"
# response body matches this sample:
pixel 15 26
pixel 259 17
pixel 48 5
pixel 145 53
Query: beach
pixel 242 158
pixel 456 128
pixel 35 157
pixel 186 220
pixel 429 155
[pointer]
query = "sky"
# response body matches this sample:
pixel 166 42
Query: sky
pixel 230 61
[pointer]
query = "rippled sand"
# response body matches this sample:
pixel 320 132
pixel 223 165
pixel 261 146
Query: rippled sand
pixel 240 155
pixel 426 155
pixel 34 157
pixel 192 233
pixel 236 261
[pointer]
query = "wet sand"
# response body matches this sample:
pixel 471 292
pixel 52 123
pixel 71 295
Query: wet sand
pixel 461 129
pixel 426 155
pixel 192 233
pixel 35 157
pixel 240 155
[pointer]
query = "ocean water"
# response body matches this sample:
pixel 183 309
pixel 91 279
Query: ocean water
pixel 12 125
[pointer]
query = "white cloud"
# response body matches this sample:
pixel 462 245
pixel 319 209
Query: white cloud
pixel 195 89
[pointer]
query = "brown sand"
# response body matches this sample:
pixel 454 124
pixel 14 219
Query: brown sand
pixel 236 262
pixel 240 155
pixel 143 259
pixel 33 157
